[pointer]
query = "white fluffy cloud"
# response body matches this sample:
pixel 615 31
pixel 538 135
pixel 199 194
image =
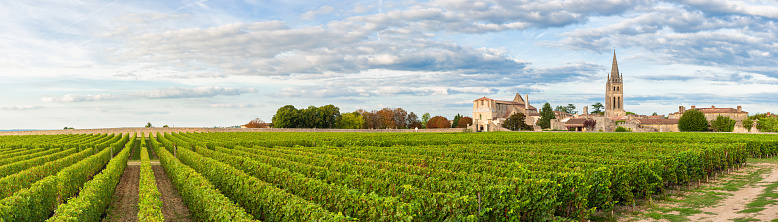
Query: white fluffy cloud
pixel 168 93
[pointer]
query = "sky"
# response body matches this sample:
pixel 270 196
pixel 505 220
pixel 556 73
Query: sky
pixel 199 63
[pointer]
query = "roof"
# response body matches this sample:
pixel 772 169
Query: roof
pixel 719 110
pixel 658 121
pixel 578 121
pixel 714 110
pixel 484 98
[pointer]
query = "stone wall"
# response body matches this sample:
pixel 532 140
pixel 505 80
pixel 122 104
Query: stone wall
pixel 194 129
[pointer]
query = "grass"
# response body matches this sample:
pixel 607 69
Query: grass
pixel 135 151
pixel 678 207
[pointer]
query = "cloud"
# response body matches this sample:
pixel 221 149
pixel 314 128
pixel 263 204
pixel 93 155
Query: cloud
pixel 321 10
pixel 168 93
pixel 236 106
pixel 676 35
pixel 19 107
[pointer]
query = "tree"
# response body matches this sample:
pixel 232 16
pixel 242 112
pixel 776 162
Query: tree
pixel 546 115
pixel 597 108
pixel 516 122
pixel 386 117
pixel 455 123
pixel 723 124
pixel 693 120
pixel 328 116
pixel 165 126
pixel 399 116
pixel 748 123
pixel 286 117
pixel 255 123
pixel 424 118
pixel 630 113
pixel 464 122
pixel 570 108
pixel 438 122
pixel 654 114
pixel 768 124
pixel 589 124
pixel 560 109
pixel 413 121
pixel 351 121
pixel 148 125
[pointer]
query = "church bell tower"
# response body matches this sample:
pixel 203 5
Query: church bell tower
pixel 614 94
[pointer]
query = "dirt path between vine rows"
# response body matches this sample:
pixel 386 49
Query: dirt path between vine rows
pixel 728 208
pixel 125 197
pixel 173 207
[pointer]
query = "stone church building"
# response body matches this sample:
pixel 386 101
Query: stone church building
pixel 488 114
pixel 614 92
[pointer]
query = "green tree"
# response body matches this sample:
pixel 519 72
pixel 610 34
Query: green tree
pixel 768 124
pixel 424 118
pixel 597 108
pixel 286 117
pixel 328 116
pixel 546 115
pixel 570 108
pixel 148 125
pixel 723 124
pixel 455 123
pixel 165 126
pixel 352 120
pixel 693 120
pixel 654 114
pixel 516 122
pixel 560 109
pixel 748 123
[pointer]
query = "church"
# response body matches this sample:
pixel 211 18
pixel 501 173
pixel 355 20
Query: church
pixel 488 114
pixel 614 92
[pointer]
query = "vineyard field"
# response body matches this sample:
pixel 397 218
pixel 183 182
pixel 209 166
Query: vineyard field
pixel 289 176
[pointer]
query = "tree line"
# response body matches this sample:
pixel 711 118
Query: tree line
pixel 329 116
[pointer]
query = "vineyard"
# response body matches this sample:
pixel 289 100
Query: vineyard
pixel 249 176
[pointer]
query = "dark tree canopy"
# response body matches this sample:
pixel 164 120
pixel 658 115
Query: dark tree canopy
pixel 693 120
pixel 455 123
pixel 546 115
pixel 438 122
pixel 516 122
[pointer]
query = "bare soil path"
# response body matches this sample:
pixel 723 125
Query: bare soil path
pixel 729 208
pixel 173 207
pixel 125 197
pixel 747 194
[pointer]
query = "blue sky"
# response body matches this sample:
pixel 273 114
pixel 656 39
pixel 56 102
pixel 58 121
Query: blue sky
pixel 96 64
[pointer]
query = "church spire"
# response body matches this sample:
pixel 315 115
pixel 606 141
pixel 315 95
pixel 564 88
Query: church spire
pixel 615 69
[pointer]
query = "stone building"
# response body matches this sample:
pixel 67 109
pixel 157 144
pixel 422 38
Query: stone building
pixel 614 92
pixel 488 114
pixel 711 113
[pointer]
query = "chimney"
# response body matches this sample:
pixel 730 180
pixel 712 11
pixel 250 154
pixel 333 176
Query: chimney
pixel 739 109
pixel 681 109
pixel 692 107
pixel 526 103
pixel 712 106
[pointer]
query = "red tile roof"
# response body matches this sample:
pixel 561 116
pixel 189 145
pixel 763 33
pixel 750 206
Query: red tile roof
pixel 484 98
pixel 658 121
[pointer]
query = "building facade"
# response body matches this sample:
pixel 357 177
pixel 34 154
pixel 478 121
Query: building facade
pixel 614 92
pixel 711 113
pixel 488 114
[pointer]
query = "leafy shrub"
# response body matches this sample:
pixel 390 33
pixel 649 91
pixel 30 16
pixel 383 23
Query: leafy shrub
pixel 149 198
pixel 621 129
pixel 723 124
pixel 693 120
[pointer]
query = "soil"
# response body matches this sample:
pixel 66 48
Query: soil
pixel 173 207
pixel 125 197
pixel 727 209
